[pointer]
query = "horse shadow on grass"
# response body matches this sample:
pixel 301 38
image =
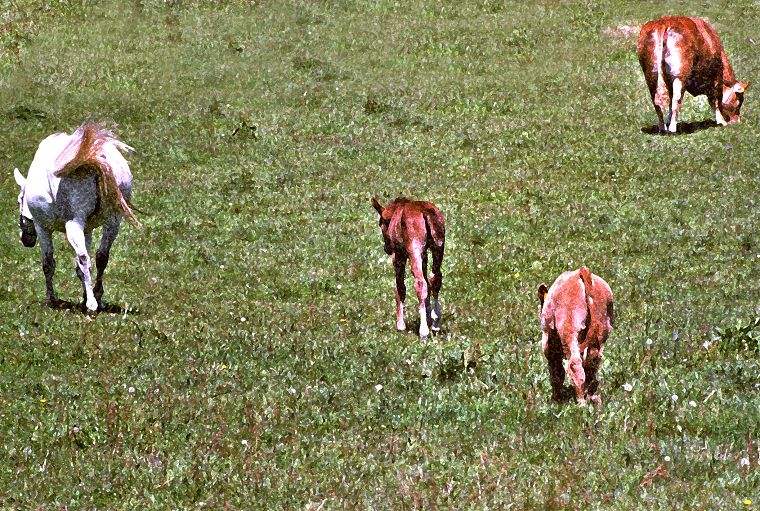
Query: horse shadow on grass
pixel 108 308
pixel 683 128
pixel 413 327
pixel 566 395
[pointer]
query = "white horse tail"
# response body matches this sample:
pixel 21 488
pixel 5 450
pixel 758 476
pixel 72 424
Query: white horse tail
pixel 84 151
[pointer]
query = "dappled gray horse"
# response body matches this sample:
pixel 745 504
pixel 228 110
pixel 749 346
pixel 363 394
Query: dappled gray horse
pixel 76 183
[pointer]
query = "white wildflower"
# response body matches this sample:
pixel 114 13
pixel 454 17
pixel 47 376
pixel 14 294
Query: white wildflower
pixel 627 387
pixel 131 390
pixel 693 404
pixel 674 397
pixel 378 387
pixel 667 458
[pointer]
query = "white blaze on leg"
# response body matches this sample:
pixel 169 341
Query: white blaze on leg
pixel 400 324
pixel 675 104
pixel 76 236
pixel 424 330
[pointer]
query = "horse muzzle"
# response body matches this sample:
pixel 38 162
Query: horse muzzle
pixel 29 240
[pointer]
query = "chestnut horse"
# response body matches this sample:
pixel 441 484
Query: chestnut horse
pixel 576 318
pixel 409 229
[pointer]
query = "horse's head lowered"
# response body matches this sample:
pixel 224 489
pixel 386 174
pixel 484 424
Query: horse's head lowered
pixel 25 222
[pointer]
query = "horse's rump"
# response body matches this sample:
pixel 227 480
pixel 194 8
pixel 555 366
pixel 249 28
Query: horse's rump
pixel 84 152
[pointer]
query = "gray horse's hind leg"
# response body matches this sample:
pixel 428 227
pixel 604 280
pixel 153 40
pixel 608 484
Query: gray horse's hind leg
pixel 80 242
pixel 110 230
pixel 48 265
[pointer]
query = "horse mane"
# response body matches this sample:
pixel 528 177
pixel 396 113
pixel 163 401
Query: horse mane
pixel 84 151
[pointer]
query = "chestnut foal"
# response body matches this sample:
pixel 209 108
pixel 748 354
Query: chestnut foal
pixel 576 318
pixel 409 229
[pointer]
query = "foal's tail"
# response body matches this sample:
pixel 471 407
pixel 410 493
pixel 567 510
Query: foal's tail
pixel 588 281
pixel 435 225
pixel 88 141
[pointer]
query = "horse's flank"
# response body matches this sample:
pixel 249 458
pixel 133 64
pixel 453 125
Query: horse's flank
pixel 87 149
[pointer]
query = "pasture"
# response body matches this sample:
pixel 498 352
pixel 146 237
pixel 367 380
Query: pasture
pixel 254 363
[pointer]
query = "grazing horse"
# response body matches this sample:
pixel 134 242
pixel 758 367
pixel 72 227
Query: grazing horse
pixel 409 229
pixel 680 54
pixel 76 183
pixel 576 318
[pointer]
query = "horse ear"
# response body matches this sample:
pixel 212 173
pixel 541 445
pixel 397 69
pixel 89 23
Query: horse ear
pixel 377 206
pixel 542 290
pixel 20 180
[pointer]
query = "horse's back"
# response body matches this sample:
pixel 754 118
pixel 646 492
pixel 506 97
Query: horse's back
pixel 54 200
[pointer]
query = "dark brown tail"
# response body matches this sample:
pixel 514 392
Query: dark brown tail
pixel 91 137
pixel 436 227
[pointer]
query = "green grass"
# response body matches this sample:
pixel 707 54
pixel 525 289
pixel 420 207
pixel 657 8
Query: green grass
pixel 260 304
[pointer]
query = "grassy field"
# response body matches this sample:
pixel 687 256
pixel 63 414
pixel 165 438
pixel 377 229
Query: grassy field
pixel 255 364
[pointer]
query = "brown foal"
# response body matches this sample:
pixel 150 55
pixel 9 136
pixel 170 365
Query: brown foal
pixel 576 318
pixel 409 229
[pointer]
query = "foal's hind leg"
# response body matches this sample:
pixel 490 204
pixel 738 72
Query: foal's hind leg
pixel 110 230
pixel 80 242
pixel 436 280
pixel 427 281
pixel 591 366
pixel 399 265
pixel 421 287
pixel 553 354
